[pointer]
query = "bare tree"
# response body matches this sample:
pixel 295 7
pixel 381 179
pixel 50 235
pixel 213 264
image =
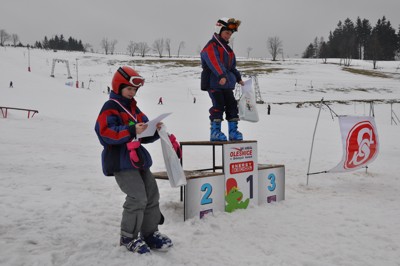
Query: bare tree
pixel 249 49
pixel 15 39
pixel 112 46
pixel 105 45
pixel 180 47
pixel 143 48
pixel 4 37
pixel 87 47
pixel 158 46
pixel 168 47
pixel 274 45
pixel 132 48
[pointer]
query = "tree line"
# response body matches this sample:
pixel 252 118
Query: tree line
pixel 60 43
pixel 142 48
pixel 357 40
pixel 55 43
pixel 159 46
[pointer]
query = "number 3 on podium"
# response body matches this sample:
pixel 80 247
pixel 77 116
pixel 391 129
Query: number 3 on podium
pixel 271 178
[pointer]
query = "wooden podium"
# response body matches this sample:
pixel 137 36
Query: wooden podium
pixel 237 183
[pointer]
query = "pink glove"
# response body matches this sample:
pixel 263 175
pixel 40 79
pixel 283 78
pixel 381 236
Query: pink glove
pixel 132 146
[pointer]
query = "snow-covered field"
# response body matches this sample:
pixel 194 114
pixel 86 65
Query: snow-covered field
pixel 57 208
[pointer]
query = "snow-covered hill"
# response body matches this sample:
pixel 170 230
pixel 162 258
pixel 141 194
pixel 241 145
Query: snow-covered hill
pixel 57 208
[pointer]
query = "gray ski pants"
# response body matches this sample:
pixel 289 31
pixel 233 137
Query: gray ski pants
pixel 141 212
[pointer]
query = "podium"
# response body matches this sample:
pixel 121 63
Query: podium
pixel 239 182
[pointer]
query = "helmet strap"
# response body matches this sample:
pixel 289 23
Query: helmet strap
pixel 222 22
pixel 123 73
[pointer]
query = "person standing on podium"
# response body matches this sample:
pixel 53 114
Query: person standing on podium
pixel 219 77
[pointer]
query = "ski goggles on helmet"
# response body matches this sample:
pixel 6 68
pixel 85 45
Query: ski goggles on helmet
pixel 136 81
pixel 232 24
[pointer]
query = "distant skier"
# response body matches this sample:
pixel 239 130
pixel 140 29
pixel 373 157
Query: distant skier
pixel 194 99
pixel 269 109
pixel 160 101
pixel 11 84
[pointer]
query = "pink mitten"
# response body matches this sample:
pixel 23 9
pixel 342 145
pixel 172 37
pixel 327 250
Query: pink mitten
pixel 132 146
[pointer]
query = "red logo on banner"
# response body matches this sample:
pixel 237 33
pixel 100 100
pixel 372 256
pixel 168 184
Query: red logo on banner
pixel 242 167
pixel 237 153
pixel 361 145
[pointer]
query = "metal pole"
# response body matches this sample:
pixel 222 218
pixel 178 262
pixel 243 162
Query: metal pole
pixel 391 113
pixel 29 60
pixel 312 143
pixel 77 79
pixel 371 109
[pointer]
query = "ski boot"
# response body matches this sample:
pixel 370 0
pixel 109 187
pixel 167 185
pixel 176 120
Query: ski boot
pixel 134 245
pixel 216 134
pixel 234 134
pixel 158 241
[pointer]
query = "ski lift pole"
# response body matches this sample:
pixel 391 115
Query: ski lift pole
pixel 29 60
pixel 77 79
pixel 391 113
pixel 312 143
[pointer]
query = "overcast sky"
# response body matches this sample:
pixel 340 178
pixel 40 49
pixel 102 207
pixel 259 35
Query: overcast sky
pixel 295 22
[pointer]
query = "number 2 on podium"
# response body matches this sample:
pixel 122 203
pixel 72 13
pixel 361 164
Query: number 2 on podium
pixel 207 188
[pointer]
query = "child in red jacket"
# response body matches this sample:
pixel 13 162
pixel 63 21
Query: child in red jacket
pixel 219 77
pixel 117 127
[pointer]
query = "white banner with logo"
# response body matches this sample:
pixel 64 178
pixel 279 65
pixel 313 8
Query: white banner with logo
pixel 360 142
pixel 241 175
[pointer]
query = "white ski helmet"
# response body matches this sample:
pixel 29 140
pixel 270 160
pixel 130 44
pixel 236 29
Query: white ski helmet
pixel 227 24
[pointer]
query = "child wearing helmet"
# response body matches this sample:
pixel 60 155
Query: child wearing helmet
pixel 219 77
pixel 123 156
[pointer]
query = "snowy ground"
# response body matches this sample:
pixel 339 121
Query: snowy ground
pixel 58 209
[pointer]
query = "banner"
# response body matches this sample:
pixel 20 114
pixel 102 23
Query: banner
pixel 360 143
pixel 241 175
pixel 175 173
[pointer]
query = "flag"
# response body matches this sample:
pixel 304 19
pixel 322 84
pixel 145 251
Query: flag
pixel 360 143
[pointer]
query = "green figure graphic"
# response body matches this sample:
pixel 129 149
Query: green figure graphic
pixel 234 197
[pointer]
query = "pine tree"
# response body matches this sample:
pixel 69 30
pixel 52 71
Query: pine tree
pixel 38 45
pixel 45 43
pixel 398 43
pixel 335 39
pixel 387 39
pixel 324 51
pixel 374 51
pixel 361 41
pixel 348 45
pixel 309 52
pixel 363 33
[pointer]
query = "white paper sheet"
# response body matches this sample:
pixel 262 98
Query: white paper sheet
pixel 152 126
